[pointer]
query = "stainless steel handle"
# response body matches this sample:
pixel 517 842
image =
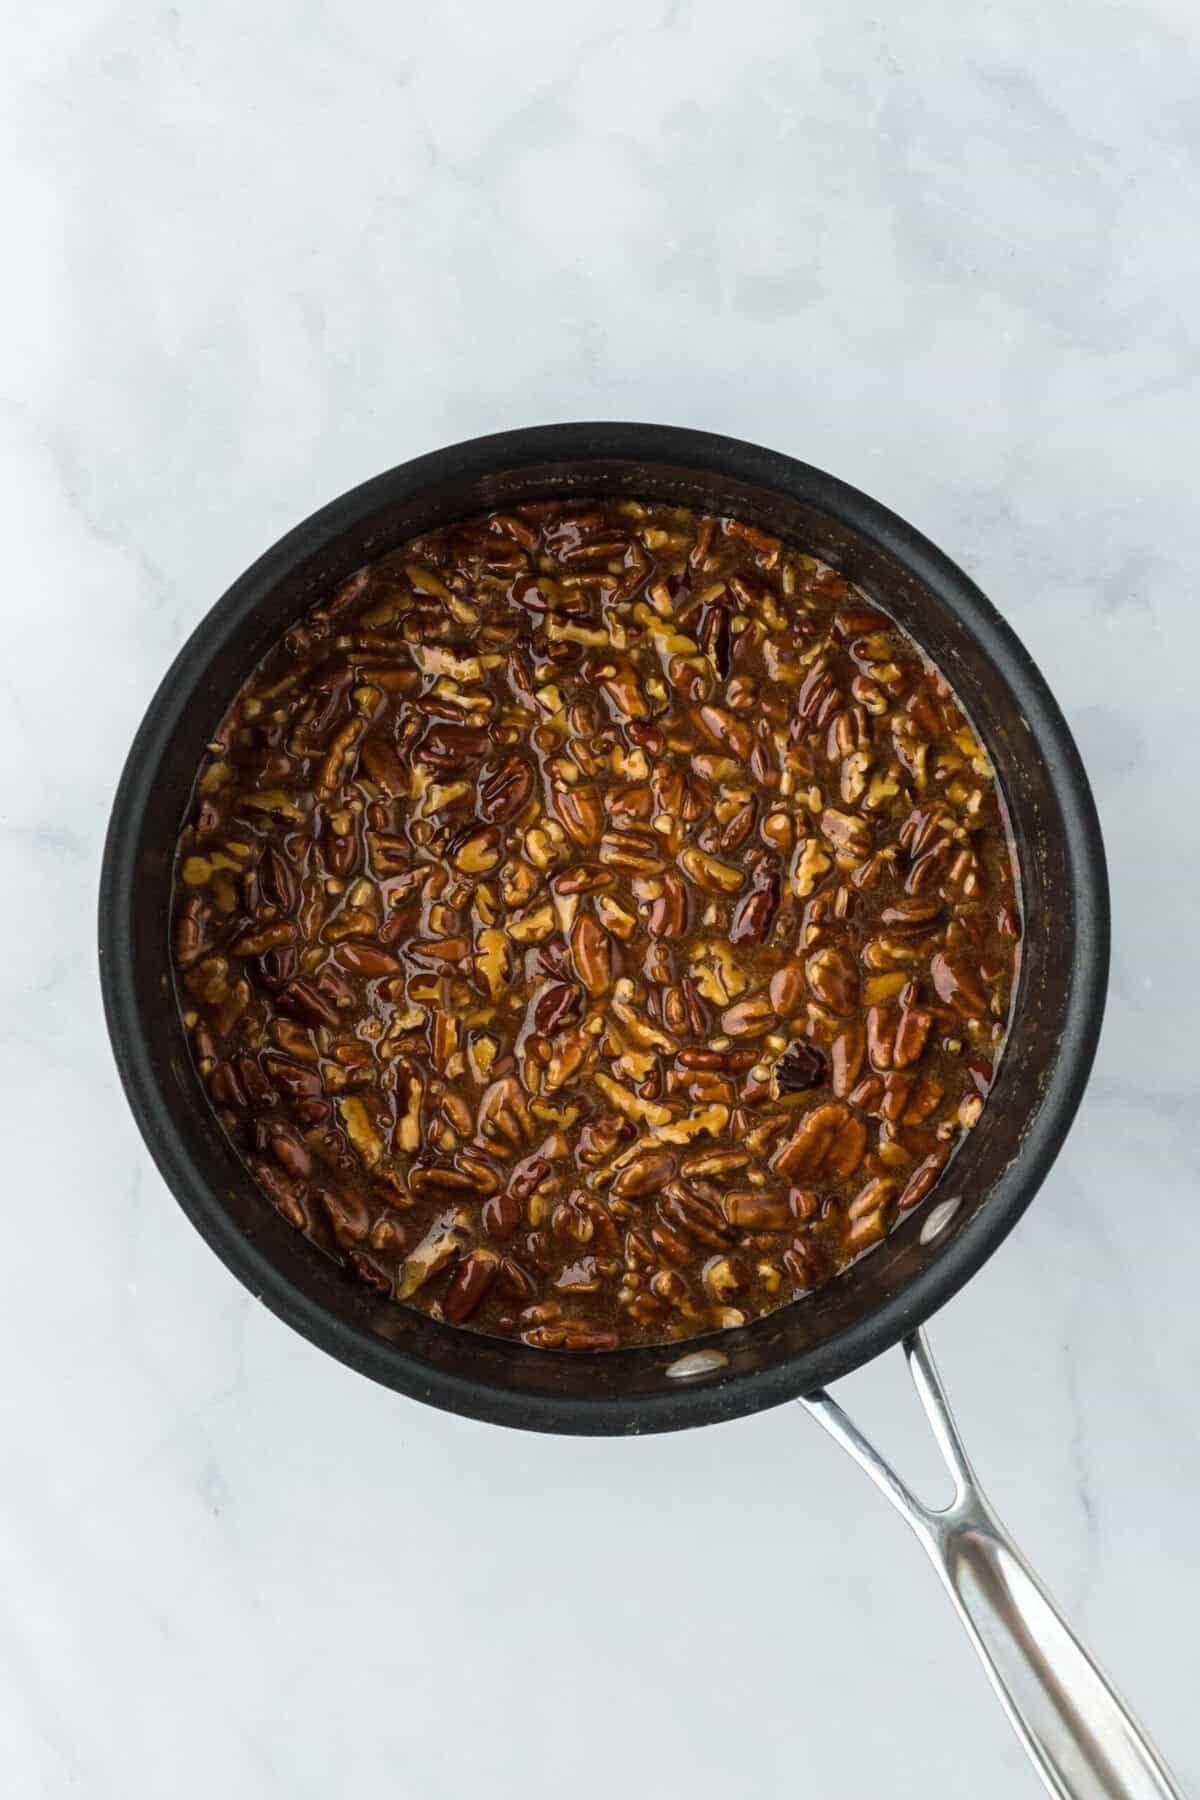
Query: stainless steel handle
pixel 1082 1739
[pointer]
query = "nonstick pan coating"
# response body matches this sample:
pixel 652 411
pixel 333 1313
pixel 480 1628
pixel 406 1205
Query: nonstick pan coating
pixel 1003 1161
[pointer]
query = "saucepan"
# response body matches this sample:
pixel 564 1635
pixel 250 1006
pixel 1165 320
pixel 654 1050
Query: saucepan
pixel 1079 1735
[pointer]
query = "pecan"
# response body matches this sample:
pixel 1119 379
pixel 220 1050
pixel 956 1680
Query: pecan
pixel 646 1174
pixel 787 989
pixel 558 1004
pixel 669 912
pixel 469 1284
pixel 558 877
pixel 505 788
pixel 632 854
pixel 349 1218
pixel 299 1083
pixel 846 832
pixel 894 950
pixel 340 761
pixel 748 1018
pixel 896 1090
pixel 570 1337
pixel 384 767
pixel 390 854
pixel 716 638
pixel 504 1116
pixel 501 1215
pixel 625 803
pixel 855 621
pixel 225 1087
pixel 351 590
pixel 818 698
pixel 755 913
pixel 753 1209
pixel 731 1059
pixel 726 730
pixel 360 1129
pixel 624 693
pixel 924 1099
pixel 585 879
pixel 369 1272
pixel 276 881
pixel 190 939
pixel 868 1212
pixel 475 851
pixel 921 1180
pixel 828 1138
pixel 493 962
pixel 283 1193
pixel 365 959
pixel 257 1088
pixel 912 1034
pixel 738 827
pixel 713 1162
pixel 806 1264
pixel 591 952
pixel 452 747
pixel 442 950
pixel 292 1156
pixel 849 1053
pixel 882 1025
pixel 440 1244
pixel 709 873
pixel 681 1206
pixel 903 914
pixel 567 1055
pixel 581 814
pixel 264 937
pixel 306 1002
pixel 631 1104
pixel 473 1177
pixel 833 979
pixel 273 804
pixel 959 985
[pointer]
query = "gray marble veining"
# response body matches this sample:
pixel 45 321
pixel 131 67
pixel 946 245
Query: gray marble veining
pixel 254 255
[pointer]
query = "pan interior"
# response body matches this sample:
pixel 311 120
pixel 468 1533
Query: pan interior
pixel 992 1177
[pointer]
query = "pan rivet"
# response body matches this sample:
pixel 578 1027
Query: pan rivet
pixel 939 1217
pixel 699 1362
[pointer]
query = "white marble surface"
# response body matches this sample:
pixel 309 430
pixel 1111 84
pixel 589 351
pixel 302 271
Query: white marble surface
pixel 254 254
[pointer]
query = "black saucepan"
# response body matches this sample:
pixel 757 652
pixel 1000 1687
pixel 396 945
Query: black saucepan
pixel 991 1179
pixel 1081 1738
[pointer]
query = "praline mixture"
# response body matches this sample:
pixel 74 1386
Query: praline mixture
pixel 596 924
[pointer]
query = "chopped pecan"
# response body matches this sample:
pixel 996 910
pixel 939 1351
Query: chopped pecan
pixel 564 899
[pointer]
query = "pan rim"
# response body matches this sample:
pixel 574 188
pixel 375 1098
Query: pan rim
pixel 720 1397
